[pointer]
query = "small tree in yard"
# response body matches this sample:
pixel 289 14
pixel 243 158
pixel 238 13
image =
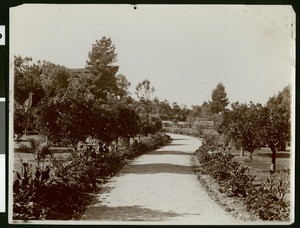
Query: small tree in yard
pixel 127 123
pixel 243 126
pixel 251 131
pixel 277 128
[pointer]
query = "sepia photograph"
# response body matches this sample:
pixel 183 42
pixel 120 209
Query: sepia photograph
pixel 151 114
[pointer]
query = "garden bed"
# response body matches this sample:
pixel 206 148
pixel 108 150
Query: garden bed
pixel 65 188
pixel 233 206
pixel 229 181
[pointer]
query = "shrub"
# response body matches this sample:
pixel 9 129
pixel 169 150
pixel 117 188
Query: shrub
pixel 265 199
pixel 23 148
pixel 62 192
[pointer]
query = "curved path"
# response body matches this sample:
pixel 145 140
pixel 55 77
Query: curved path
pixel 158 188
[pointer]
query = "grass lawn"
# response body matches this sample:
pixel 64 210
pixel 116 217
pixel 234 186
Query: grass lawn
pixel 261 163
pixel 19 158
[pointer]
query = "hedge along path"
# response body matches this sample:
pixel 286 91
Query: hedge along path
pixel 158 188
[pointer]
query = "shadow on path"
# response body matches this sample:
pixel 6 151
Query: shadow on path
pixel 157 168
pixel 179 139
pixel 278 155
pixel 178 144
pixel 169 152
pixel 127 213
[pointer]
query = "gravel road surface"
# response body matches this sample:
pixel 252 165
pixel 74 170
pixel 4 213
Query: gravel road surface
pixel 158 188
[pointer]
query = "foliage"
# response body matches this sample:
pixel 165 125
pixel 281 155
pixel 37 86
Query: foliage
pixel 278 118
pixel 211 141
pixel 243 125
pixel 61 192
pixel 182 131
pixel 265 199
pixel 277 128
pixel 27 80
pixel 219 99
pixel 123 85
pixel 148 143
pixel 23 148
pixel 127 122
pixel 100 63
pixel 270 195
pixel 150 125
pixel 144 90
pixel 64 121
pixel 37 196
pixel 20 118
pixel 54 79
pixel 252 125
pixel 199 113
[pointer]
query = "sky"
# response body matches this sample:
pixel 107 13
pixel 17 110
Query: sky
pixel 183 50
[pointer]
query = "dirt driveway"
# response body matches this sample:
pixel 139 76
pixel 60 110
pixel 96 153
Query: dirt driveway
pixel 158 188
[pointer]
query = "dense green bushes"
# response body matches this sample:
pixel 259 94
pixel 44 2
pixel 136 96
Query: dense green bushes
pixel 182 131
pixel 264 199
pixel 60 190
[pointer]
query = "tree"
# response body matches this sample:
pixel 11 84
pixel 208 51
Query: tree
pixel 165 110
pixel 243 126
pixel 127 123
pixel 277 128
pixel 123 85
pixel 28 92
pixel 101 66
pixel 27 80
pixel 194 114
pixel 144 90
pixel 65 121
pixel 150 125
pixel 205 111
pixel 176 111
pixel 219 99
pixel 54 79
pixel 233 122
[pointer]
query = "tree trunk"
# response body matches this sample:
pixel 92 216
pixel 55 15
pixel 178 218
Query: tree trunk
pixel 273 164
pixel 242 152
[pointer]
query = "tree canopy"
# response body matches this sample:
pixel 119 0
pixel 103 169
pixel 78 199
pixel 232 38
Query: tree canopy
pixel 69 107
pixel 101 65
pixel 219 99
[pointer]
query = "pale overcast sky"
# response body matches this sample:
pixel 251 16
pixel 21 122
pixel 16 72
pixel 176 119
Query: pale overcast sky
pixel 184 50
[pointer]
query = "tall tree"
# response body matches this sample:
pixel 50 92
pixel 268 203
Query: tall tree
pixel 101 65
pixel 219 99
pixel 277 130
pixel 144 90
